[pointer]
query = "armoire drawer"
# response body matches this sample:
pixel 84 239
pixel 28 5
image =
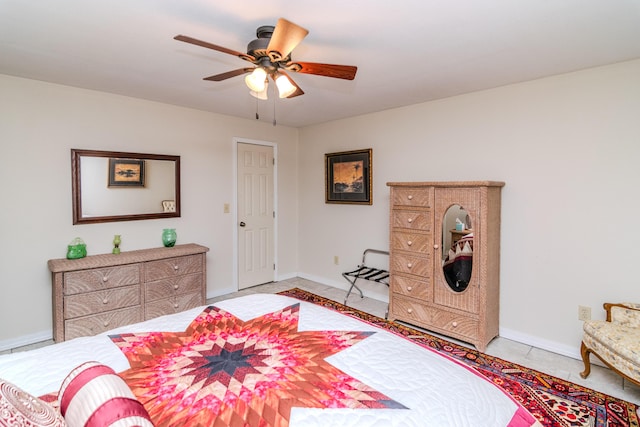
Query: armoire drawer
pixel 418 289
pixel 434 318
pixel 173 304
pixel 416 265
pixel 78 305
pixel 412 196
pixel 80 281
pixel 413 242
pixel 171 267
pixel 98 323
pixel 173 286
pixel 413 220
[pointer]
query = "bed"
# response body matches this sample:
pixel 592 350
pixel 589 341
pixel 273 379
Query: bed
pixel 268 359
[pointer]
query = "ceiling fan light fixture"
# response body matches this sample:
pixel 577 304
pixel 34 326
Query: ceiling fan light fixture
pixel 285 88
pixel 256 81
pixel 262 95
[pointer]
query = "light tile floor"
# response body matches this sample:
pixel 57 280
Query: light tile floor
pixel 567 368
pixel 601 379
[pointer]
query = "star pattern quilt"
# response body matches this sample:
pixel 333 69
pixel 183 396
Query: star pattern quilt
pixel 224 371
pixel 273 360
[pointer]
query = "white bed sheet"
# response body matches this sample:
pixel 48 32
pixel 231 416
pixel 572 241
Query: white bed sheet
pixel 439 391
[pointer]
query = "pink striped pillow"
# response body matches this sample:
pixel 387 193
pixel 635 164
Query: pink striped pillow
pixel 93 395
pixel 19 408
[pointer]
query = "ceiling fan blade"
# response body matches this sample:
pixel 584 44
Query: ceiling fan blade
pixel 208 45
pixel 347 72
pixel 223 76
pixel 285 38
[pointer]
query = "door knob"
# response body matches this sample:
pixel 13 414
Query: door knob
pixel 242 224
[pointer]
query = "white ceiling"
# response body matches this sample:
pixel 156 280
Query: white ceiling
pixel 406 51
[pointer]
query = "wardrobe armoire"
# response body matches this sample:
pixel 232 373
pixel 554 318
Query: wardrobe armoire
pixel 445 257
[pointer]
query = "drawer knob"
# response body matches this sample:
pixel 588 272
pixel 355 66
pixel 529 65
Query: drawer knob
pixel 409 265
pixel 176 287
pixel 410 197
pixel 105 278
pixel 175 305
pixel 105 301
pixel 410 220
pixel 106 323
pixel 175 267
pixel 435 246
pixel 410 310
pixel 454 324
pixel 409 243
pixel 409 288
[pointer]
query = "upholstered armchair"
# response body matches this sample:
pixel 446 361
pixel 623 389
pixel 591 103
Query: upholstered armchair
pixel 615 341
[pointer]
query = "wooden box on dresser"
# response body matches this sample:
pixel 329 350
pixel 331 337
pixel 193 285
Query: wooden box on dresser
pixel 419 293
pixel 101 292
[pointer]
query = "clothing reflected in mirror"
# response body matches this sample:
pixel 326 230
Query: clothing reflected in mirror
pixel 457 248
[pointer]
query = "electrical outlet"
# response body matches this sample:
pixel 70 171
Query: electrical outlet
pixel 336 260
pixel 584 312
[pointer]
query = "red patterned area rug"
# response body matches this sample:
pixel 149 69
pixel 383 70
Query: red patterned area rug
pixel 553 401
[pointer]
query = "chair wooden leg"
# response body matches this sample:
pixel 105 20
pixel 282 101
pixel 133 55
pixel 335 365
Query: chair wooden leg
pixel 584 352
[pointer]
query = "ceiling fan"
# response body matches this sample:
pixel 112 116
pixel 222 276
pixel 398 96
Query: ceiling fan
pixel 270 53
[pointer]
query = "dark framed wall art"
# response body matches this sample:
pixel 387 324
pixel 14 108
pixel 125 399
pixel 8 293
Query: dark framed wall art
pixel 126 173
pixel 348 177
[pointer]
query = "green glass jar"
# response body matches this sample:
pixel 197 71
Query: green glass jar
pixel 169 237
pixel 76 249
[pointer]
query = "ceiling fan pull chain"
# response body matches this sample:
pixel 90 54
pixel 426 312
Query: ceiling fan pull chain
pixel 257 115
pixel 274 107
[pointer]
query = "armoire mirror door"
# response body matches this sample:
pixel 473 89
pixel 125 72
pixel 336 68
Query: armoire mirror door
pixel 462 293
pixel 457 248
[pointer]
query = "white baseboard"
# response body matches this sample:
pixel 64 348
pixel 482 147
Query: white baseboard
pixel 287 276
pixel 375 291
pixel 23 340
pixel 541 343
pixel 223 291
pixel 230 289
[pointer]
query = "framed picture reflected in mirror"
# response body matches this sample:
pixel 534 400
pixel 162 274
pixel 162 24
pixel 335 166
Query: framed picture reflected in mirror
pixel 126 173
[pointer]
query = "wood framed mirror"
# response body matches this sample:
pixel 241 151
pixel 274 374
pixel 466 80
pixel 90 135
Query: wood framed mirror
pixel 119 186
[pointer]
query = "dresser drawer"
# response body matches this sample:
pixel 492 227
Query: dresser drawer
pixel 98 323
pixel 174 286
pixel 173 305
pixel 410 287
pixel 414 220
pixel 171 267
pixel 78 305
pixel 411 196
pixel 416 265
pixel 76 282
pixel 434 318
pixel 413 242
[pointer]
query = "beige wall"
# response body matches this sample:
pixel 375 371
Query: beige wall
pixel 568 148
pixel 41 122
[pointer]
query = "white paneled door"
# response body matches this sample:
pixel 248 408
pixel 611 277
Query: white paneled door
pixel 255 215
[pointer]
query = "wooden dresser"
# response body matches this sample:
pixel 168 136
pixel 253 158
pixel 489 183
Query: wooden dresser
pixel 419 292
pixel 101 292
